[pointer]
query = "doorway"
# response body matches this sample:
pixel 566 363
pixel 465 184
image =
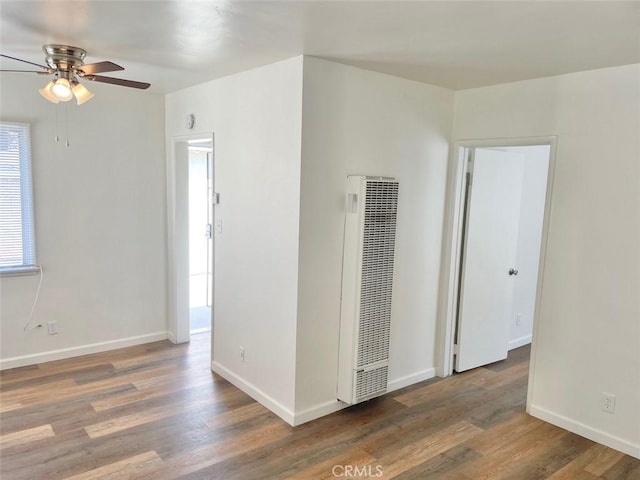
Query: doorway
pixel 200 235
pixel 470 226
pixel 200 147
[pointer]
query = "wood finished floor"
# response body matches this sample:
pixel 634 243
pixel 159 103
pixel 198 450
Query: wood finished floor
pixel 156 412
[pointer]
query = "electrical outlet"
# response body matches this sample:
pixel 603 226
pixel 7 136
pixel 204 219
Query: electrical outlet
pixel 242 354
pixel 608 402
pixel 518 319
pixel 52 327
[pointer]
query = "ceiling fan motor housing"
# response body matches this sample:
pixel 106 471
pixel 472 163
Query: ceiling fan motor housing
pixel 64 57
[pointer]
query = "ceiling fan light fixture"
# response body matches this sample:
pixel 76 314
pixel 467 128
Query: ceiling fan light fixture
pixel 46 92
pixel 67 65
pixel 81 93
pixel 61 89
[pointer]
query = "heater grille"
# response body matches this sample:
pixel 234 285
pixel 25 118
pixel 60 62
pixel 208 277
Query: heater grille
pixel 378 247
pixel 367 283
pixel 370 383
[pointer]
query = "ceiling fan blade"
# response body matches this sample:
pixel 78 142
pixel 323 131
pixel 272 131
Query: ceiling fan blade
pixel 118 81
pixel 24 61
pixel 39 72
pixel 100 67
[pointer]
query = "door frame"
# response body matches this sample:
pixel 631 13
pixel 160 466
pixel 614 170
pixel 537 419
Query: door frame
pixel 178 236
pixel 450 274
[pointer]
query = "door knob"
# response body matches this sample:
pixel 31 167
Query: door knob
pixel 513 271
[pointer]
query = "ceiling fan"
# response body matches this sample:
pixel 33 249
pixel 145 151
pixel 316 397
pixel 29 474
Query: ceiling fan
pixel 67 65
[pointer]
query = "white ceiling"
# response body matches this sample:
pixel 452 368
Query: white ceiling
pixel 174 44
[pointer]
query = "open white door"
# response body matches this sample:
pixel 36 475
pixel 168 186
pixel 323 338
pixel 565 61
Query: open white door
pixel 488 262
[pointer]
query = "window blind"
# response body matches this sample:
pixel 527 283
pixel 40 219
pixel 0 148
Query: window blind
pixel 17 242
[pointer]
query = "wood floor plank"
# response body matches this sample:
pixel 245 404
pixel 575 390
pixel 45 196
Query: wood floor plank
pixel 9 406
pixel 503 377
pixel 67 389
pixel 572 471
pixel 419 452
pixel 128 421
pixel 25 436
pixel 442 389
pixel 516 356
pixel 496 438
pixel 500 410
pixel 148 415
pixel 160 386
pixel 439 466
pixel 540 463
pixel 177 379
pixel 626 468
pixel 77 375
pixel 336 465
pixel 28 395
pixel 520 449
pixel 61 414
pixel 147 358
pixel 193 461
pixel 598 459
pixel 124 469
pixel 232 417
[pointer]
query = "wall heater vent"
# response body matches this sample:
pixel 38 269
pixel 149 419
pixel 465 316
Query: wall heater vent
pixel 367 281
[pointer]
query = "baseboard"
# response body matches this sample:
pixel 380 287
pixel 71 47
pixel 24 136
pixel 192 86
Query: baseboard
pixel 336 405
pixel 298 418
pixel 255 393
pixel 63 353
pixel 405 381
pixel 586 431
pixel 318 411
pixel 519 342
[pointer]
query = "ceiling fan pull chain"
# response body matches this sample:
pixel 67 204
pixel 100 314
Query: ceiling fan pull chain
pixel 66 122
pixel 57 137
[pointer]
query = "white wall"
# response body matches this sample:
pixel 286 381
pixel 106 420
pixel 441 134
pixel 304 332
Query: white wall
pixel 360 122
pixel 99 219
pixel 256 116
pixel 587 339
pixel 534 189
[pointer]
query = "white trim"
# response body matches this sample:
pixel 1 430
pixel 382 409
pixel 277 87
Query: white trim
pixel 451 257
pixel 447 304
pixel 255 393
pixel 520 342
pixel 411 379
pixel 543 254
pixel 586 431
pixel 177 239
pixel 64 353
pixel 318 411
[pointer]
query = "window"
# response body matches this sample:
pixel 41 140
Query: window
pixel 17 240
